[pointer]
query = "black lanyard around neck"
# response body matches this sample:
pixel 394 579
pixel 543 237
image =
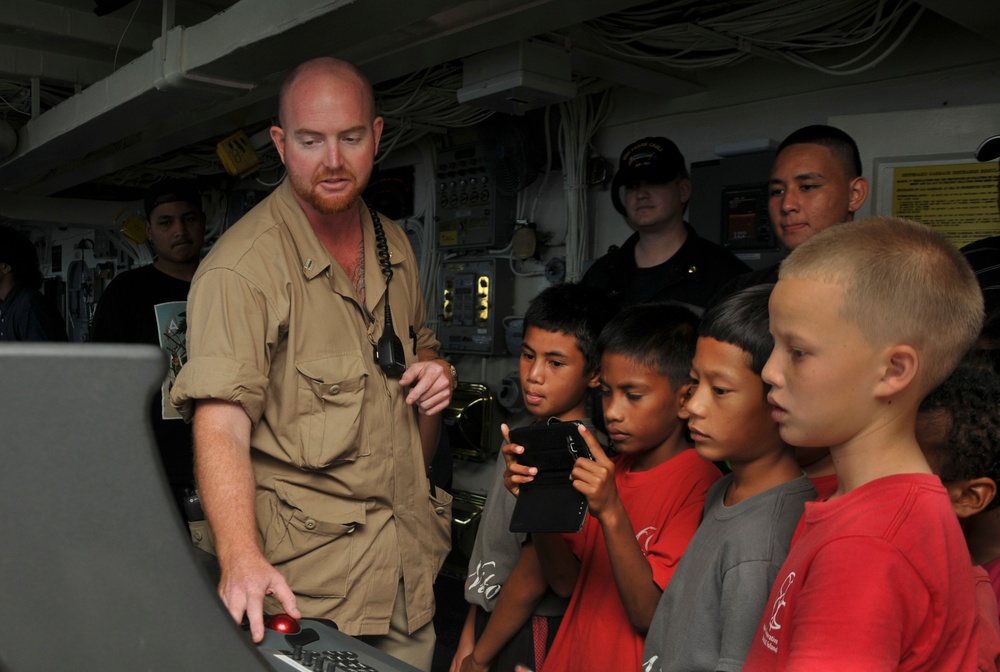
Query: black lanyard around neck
pixel 389 350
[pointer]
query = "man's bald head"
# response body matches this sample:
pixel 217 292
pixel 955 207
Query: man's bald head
pixel 324 66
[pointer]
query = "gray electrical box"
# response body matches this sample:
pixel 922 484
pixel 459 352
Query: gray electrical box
pixel 475 295
pixel 472 213
pixel 518 77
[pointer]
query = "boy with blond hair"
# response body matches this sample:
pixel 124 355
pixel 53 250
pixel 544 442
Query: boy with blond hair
pixel 868 317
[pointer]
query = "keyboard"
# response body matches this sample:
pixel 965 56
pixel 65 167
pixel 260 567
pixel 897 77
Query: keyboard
pixel 320 647
pixel 323 661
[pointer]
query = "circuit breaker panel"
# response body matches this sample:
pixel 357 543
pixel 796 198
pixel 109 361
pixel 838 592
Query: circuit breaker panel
pixel 475 295
pixel 729 206
pixel 472 212
pixel 745 222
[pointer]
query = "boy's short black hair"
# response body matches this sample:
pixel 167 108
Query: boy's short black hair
pixel 837 141
pixel 574 309
pixel 963 415
pixel 741 319
pixel 657 335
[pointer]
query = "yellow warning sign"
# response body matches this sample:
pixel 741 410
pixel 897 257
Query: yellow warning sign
pixel 958 200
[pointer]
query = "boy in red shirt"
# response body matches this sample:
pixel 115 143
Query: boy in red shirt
pixel 958 428
pixel 645 504
pixel 868 317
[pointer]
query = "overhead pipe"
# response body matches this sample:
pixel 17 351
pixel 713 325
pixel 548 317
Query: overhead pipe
pixel 171 74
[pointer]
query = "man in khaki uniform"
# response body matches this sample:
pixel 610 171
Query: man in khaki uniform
pixel 307 451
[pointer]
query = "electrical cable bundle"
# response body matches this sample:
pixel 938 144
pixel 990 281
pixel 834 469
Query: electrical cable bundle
pixel 423 103
pixel 696 34
pixel 580 119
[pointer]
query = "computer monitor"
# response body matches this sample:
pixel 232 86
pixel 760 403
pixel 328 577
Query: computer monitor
pixel 98 570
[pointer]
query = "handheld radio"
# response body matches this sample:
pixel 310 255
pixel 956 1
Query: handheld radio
pixel 389 352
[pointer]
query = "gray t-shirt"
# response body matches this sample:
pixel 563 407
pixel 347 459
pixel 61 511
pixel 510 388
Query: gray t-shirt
pixel 497 549
pixel 708 614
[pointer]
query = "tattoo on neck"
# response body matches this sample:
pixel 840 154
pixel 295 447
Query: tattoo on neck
pixel 359 272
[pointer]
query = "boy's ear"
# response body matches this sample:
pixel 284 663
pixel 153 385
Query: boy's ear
pixel 970 497
pixel 682 393
pixel 595 378
pixel 900 366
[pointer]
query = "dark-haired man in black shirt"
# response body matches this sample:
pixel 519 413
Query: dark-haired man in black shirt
pixel 149 305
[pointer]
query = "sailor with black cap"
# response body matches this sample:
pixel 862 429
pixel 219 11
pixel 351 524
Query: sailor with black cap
pixel 149 305
pixel 984 254
pixel 664 260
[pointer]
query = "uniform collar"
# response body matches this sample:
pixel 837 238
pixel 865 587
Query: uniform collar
pixel 313 256
pixel 314 259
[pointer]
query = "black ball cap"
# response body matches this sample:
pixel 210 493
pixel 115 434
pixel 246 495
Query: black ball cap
pixel 169 191
pixel 655 160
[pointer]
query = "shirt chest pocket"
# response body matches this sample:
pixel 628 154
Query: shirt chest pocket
pixel 331 395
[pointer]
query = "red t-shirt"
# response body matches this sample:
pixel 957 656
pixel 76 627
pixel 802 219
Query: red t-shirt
pixel 877 579
pixel 825 486
pixel 989 623
pixel 664 505
pixel 993 570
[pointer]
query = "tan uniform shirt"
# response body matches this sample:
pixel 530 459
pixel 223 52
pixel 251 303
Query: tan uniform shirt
pixel 343 505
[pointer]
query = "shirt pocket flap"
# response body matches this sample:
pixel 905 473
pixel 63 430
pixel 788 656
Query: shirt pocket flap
pixel 328 515
pixel 331 403
pixel 331 377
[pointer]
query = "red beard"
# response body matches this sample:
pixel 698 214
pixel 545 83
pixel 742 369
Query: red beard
pixel 328 204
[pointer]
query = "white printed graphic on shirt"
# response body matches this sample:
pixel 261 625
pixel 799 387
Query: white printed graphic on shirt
pixel 769 639
pixel 482 578
pixel 171 323
pixel 645 537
